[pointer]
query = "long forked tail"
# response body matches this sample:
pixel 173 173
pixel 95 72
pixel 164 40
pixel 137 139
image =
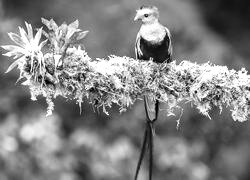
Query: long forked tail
pixel 148 138
pixel 151 149
pixel 143 149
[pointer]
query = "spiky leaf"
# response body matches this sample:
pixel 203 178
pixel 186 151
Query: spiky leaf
pixel 29 29
pixel 15 51
pixel 74 24
pixel 24 35
pixel 17 39
pixel 43 43
pixel 14 64
pixel 38 36
pixel 81 35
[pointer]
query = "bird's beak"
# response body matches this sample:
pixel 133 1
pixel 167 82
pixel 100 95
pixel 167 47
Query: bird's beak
pixel 137 17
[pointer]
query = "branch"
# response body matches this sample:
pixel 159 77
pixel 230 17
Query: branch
pixel 71 73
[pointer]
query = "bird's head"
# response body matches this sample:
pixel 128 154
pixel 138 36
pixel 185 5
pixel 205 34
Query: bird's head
pixel 147 14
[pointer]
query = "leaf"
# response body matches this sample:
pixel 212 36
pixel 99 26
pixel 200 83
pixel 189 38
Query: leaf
pixel 21 76
pixel 70 32
pixel 74 24
pixel 17 39
pixel 26 83
pixel 45 34
pixel 24 35
pixel 57 59
pixel 13 51
pixel 15 54
pixel 62 31
pixel 81 35
pixel 30 30
pixel 46 22
pixel 51 24
pixel 14 64
pixel 10 47
pixel 43 43
pixel 38 36
pixel 18 55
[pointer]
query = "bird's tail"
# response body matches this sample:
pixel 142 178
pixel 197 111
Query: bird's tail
pixel 143 149
pixel 148 136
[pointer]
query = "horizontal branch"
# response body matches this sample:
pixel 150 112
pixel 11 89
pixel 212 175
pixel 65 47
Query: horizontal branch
pixel 123 80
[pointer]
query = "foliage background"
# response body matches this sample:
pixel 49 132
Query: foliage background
pixel 70 146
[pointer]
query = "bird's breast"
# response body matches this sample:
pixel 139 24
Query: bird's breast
pixel 153 33
pixel 154 38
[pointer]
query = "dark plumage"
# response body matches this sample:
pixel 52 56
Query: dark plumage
pixel 158 52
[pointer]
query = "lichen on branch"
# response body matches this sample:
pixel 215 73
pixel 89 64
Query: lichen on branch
pixel 60 66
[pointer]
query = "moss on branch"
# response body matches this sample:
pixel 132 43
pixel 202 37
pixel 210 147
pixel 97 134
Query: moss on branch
pixel 67 70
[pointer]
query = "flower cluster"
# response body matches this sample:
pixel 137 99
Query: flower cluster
pixel 67 70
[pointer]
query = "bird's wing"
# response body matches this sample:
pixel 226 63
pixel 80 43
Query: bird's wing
pixel 170 51
pixel 138 52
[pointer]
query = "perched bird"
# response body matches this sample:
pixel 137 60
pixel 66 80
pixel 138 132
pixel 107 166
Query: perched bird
pixel 153 39
pixel 153 42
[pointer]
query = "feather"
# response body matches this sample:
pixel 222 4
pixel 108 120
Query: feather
pixel 138 52
pixel 149 108
pixel 170 48
pixel 143 149
pixel 151 149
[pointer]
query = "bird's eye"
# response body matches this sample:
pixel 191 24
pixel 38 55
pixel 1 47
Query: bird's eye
pixel 145 15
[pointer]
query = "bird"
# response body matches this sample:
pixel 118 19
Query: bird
pixel 153 42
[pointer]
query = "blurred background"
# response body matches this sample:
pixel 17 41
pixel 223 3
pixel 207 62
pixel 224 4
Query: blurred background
pixel 93 146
